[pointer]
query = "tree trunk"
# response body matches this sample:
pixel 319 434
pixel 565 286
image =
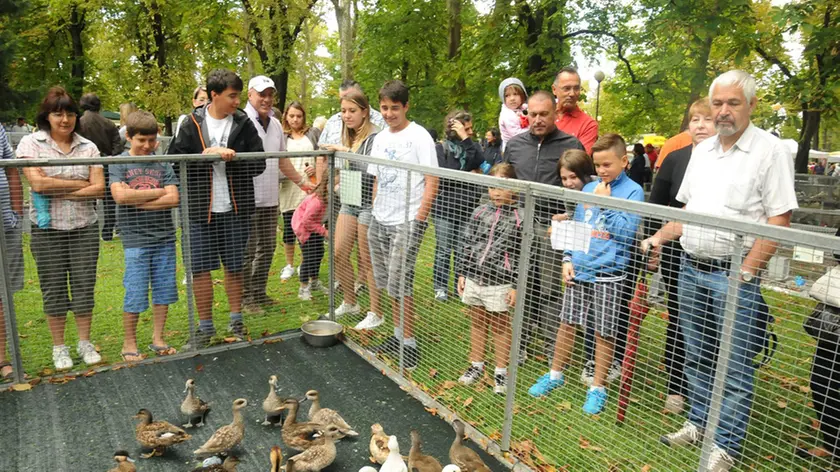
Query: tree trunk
pixel 346 36
pixel 77 73
pixel 810 127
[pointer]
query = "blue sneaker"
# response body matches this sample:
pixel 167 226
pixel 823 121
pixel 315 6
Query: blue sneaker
pixel 595 401
pixel 545 385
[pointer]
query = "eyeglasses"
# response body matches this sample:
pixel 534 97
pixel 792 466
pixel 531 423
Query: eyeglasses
pixel 570 88
pixel 59 115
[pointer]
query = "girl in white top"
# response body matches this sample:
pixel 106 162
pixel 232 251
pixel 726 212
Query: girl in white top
pixel 299 137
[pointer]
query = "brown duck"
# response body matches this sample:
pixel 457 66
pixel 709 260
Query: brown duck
pixel 157 435
pixel 298 436
pixel 193 407
pixel 228 436
pixel 320 455
pixel 327 416
pixel 461 455
pixel 419 462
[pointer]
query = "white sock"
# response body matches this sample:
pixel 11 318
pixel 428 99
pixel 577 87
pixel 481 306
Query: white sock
pixel 478 365
pixel 601 388
pixel 410 342
pixel 500 371
pixel 555 375
pixel 398 333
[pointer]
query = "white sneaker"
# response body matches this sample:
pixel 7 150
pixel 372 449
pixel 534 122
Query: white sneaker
pixel 371 321
pixel 61 358
pixel 687 435
pixel 287 273
pixel 719 460
pixel 615 372
pixel 441 296
pixel 587 375
pixel 472 375
pixel 88 353
pixel 345 309
pixel 674 404
pixel 305 293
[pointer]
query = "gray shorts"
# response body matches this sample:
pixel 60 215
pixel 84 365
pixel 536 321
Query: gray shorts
pixel 593 304
pixel 386 253
pixel 14 258
pixel 362 214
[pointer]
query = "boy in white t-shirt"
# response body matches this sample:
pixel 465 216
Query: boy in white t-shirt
pixel 390 233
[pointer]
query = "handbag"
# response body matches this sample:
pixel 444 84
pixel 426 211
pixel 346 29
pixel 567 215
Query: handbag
pixel 827 288
pixel 824 323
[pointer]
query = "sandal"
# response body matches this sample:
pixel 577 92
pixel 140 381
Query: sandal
pixel 162 350
pixel 9 375
pixel 138 357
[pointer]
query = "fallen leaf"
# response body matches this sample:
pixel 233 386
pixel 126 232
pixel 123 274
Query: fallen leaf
pixel 536 431
pixel 199 367
pixel 770 457
pixel 89 373
pixel 468 402
pixel 433 373
pixel 804 389
pixel 586 444
pixel 432 411
pixel 230 339
pixel 448 384
pixel 781 404
pixel 647 468
pixel 564 406
pixel 495 435
pixel 815 424
pixel 21 387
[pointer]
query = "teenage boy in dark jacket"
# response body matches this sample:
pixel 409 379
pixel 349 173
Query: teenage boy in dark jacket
pixel 220 195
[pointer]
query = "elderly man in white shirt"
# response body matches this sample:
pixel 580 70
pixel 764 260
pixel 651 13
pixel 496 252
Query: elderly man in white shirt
pixel 744 173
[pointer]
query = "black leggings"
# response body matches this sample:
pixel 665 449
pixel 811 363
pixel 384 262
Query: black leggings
pixel 674 342
pixel 825 388
pixel 288 232
pixel 313 253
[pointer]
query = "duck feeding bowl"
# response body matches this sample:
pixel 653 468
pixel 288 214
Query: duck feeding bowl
pixel 322 333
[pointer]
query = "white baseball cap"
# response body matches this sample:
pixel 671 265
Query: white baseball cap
pixel 260 83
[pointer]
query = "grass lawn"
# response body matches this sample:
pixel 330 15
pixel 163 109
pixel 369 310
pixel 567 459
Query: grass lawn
pixel 549 431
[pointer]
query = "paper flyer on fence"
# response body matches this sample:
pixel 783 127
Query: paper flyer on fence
pixel 570 236
pixel 350 189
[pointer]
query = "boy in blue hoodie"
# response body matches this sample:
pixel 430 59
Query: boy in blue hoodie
pixel 594 278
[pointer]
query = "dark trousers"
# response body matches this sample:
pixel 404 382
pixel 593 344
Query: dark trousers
pixel 109 214
pixel 262 241
pixel 674 342
pixel 313 253
pixel 825 388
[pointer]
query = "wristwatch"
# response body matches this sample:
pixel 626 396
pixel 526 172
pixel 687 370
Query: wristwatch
pixel 746 276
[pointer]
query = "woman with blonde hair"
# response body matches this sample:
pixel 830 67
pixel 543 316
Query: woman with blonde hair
pixel 357 134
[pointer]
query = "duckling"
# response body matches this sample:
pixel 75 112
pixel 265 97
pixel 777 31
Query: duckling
pixel 157 435
pixel 378 444
pixel 273 405
pixel 419 462
pixel 276 458
pixel 229 465
pixel 320 455
pixel 124 462
pixel 367 468
pixel 228 436
pixel 298 436
pixel 451 468
pixel 462 456
pixel 394 462
pixel 327 416
pixel 193 407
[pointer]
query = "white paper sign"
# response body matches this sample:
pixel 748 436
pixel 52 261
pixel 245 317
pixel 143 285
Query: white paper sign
pixel 570 236
pixel 350 187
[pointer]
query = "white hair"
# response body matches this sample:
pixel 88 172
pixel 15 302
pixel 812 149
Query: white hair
pixel 743 80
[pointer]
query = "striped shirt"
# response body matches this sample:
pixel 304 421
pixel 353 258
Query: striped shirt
pixel 10 218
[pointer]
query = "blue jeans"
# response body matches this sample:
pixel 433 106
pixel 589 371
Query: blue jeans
pixel 702 298
pixel 447 240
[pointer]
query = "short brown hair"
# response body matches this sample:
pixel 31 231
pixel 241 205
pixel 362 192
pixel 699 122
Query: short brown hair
pixel 700 106
pixel 57 99
pixel 578 162
pixel 141 122
pixel 503 169
pixel 610 142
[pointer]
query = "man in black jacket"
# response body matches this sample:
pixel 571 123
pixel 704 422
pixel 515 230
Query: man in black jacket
pixel 220 195
pixel 534 156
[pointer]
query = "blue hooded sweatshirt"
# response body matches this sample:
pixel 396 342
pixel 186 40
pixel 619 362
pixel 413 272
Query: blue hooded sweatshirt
pixel 613 232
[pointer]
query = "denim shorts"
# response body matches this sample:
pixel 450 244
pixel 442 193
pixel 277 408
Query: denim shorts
pixel 223 239
pixel 364 215
pixel 149 265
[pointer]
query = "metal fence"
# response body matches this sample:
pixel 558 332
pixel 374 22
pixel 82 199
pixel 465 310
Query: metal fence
pixel 469 347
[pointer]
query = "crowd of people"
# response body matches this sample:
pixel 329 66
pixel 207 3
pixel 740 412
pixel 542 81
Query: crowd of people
pixel 235 205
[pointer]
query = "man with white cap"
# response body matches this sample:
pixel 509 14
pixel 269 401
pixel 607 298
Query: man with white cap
pixel 262 239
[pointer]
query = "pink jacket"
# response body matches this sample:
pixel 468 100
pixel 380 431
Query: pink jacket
pixel 510 124
pixel 308 218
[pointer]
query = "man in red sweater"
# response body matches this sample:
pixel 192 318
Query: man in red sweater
pixel 570 118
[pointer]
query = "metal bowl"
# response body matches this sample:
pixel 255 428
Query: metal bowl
pixel 322 333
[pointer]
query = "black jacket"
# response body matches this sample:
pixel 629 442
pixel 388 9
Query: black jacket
pixel 491 243
pixel 455 199
pixel 536 161
pixel 240 173
pixel 102 132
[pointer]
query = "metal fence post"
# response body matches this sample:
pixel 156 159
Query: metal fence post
pixel 331 236
pixel 518 317
pixel 724 351
pixel 7 295
pixel 186 251
pixel 403 257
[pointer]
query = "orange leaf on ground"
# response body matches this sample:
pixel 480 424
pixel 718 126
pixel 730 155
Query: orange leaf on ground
pixel 199 367
pixel 647 468
pixel 432 411
pixel 468 402
pixel 21 387
pixel 815 424
pixel 586 444
pixel 432 373
pixel 448 384
pixel 781 404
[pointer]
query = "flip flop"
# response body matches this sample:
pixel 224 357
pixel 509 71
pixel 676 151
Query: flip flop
pixel 11 373
pixel 125 355
pixel 162 350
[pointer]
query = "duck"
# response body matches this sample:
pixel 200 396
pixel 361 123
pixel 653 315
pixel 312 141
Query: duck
pixel 193 407
pixel 394 462
pixel 276 458
pixel 318 456
pixel 157 435
pixel 229 465
pixel 228 436
pixel 419 462
pixel 378 444
pixel 298 436
pixel 273 405
pixel 462 456
pixel 451 468
pixel 367 468
pixel 124 462
pixel 327 416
